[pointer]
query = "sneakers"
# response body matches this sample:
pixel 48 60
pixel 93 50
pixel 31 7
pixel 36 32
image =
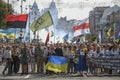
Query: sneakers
pixel 84 75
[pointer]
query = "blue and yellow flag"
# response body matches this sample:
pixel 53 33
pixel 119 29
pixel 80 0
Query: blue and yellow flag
pixel 9 33
pixel 43 21
pixel 57 64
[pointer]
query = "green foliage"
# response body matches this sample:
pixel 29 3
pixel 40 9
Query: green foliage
pixel 5 8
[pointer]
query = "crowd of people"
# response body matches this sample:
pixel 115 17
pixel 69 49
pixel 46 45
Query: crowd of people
pixel 16 56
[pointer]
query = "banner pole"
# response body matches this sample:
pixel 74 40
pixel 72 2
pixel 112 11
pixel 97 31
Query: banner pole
pixel 21 28
pixel 54 33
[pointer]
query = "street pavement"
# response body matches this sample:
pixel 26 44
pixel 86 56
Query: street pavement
pixel 36 76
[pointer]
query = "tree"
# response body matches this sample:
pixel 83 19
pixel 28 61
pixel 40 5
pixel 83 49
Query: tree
pixel 5 8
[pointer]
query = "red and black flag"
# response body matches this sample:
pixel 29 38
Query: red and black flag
pixel 47 38
pixel 16 21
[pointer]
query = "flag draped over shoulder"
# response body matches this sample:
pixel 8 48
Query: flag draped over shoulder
pixel 57 64
pixel 82 28
pixel 16 21
pixel 43 21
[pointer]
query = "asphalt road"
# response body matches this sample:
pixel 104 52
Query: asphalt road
pixel 36 76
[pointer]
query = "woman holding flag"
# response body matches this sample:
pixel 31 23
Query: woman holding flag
pixel 50 53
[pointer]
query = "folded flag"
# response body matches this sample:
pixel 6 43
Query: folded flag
pixel 16 21
pixel 57 64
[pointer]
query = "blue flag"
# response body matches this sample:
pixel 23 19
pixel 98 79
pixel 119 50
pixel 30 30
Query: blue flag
pixel 65 38
pixel 119 35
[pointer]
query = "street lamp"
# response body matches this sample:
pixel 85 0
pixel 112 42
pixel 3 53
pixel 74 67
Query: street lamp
pixel 21 32
pixel 29 22
pixel 8 5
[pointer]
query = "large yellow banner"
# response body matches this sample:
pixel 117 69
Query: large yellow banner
pixel 42 22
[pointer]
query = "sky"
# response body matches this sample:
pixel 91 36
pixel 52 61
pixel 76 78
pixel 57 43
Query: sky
pixel 71 9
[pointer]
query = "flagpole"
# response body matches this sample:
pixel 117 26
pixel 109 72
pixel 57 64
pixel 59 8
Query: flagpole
pixel 114 31
pixel 21 28
pixel 38 34
pixel 8 12
pixel 8 5
pixel 29 21
pixel 54 33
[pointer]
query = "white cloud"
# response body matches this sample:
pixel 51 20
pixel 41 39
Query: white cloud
pixel 73 11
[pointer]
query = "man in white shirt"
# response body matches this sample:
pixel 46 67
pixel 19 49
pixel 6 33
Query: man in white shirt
pixel 8 57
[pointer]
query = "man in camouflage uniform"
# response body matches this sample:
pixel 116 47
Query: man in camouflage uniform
pixel 40 59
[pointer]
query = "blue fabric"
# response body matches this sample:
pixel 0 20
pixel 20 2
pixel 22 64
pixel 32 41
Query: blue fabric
pixel 8 31
pixel 110 54
pixel 79 51
pixel 2 31
pixel 58 60
pixel 81 66
pixel 65 38
pixel 101 54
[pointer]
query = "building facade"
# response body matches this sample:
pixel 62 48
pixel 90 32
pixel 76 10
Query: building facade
pixel 94 19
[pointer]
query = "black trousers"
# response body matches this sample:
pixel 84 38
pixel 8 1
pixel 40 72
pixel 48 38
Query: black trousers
pixel 16 64
pixel 8 66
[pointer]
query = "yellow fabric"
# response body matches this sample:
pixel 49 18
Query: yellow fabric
pixel 85 49
pixel 67 52
pixel 109 31
pixel 55 67
pixel 1 35
pixel 8 36
pixel 83 37
pixel 43 21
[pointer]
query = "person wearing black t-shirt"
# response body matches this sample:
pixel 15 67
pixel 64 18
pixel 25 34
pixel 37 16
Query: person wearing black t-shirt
pixel 58 50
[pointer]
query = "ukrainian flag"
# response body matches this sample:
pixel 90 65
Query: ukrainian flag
pixel 57 64
pixel 9 33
